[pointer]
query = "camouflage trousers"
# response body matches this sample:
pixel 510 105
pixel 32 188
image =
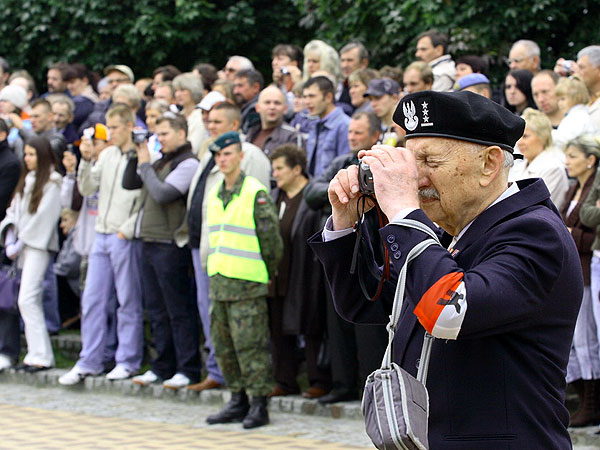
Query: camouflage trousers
pixel 240 334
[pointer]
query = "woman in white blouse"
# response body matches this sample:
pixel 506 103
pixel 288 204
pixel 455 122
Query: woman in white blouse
pixel 540 161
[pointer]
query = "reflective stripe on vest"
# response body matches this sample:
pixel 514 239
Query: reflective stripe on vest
pixel 234 250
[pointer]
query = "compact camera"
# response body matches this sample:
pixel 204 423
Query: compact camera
pixel 140 135
pixel 365 179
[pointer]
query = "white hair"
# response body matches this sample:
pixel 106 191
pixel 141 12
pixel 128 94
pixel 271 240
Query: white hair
pixel 530 46
pixel 244 62
pixel 509 159
pixel 592 52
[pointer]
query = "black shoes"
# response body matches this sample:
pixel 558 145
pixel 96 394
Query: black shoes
pixel 258 414
pixel 238 409
pixel 234 411
pixel 30 369
pixel 338 395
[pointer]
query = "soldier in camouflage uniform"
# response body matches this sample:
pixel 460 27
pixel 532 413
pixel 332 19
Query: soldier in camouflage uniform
pixel 245 248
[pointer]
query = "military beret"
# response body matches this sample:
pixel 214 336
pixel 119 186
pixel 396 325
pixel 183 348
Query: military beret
pixel 225 140
pixel 471 80
pixel 463 115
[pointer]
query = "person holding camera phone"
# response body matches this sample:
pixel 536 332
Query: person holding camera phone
pixel 166 260
pixel 494 297
pixel 113 261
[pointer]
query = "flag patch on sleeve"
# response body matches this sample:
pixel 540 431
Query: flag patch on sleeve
pixel 442 308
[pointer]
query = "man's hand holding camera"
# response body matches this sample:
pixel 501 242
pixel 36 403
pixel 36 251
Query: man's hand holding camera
pixel 140 137
pixel 395 180
pixel 143 155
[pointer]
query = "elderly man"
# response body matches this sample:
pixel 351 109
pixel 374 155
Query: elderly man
pixel 588 68
pixel 525 55
pixel 234 64
pixel 495 298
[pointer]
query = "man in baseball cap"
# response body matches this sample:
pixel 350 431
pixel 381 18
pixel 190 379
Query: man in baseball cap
pixel 383 94
pixel 502 291
pixel 118 74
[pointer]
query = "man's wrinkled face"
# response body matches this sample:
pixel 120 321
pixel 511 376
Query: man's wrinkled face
pixel 350 61
pixel 41 118
pixel 426 51
pixel 543 89
pixel 519 59
pixel 448 178
pixel 55 81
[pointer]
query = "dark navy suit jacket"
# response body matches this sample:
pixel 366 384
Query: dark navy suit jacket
pixel 500 385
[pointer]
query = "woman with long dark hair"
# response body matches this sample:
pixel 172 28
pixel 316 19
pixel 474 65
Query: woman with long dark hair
pixel 517 91
pixel 30 234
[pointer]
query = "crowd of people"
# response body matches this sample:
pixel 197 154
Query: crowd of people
pixel 186 200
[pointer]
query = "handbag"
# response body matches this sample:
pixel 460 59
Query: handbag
pixel 9 286
pixel 395 404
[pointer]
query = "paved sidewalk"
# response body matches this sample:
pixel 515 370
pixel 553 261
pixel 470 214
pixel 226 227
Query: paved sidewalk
pixel 291 417
pixel 54 418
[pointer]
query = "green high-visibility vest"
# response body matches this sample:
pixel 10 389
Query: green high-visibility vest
pixel 234 250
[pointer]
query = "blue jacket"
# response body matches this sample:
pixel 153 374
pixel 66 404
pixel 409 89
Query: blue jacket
pixel 330 141
pixel 500 385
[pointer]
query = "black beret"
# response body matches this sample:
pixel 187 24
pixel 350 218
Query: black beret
pixel 460 115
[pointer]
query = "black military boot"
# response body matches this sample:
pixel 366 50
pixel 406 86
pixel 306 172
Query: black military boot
pixel 258 414
pixel 234 411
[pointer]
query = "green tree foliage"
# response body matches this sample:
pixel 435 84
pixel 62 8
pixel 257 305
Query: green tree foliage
pixel 389 28
pixel 144 33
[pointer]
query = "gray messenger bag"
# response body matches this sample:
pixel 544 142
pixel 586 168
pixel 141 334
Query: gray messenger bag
pixel 395 405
